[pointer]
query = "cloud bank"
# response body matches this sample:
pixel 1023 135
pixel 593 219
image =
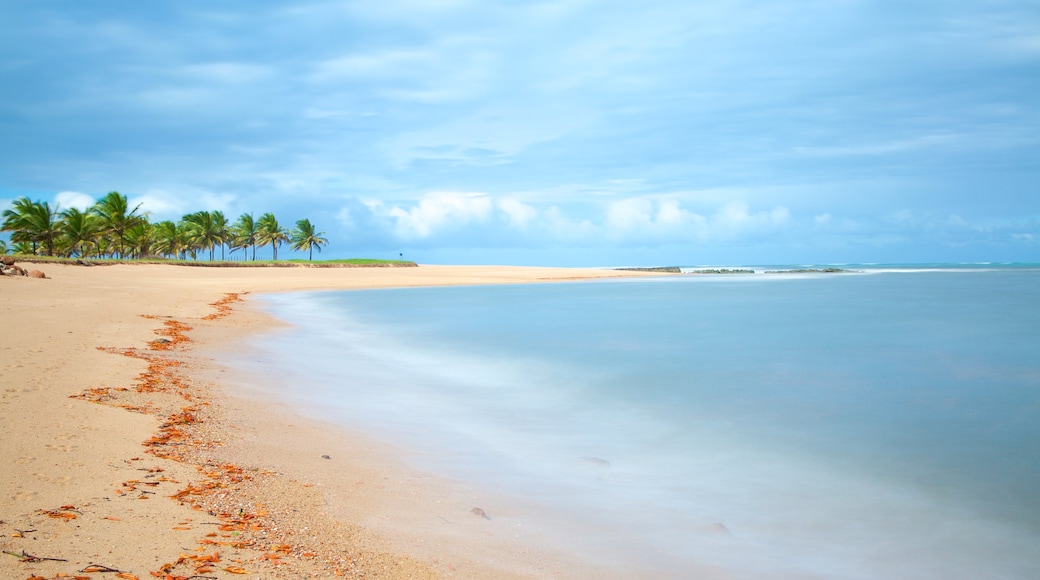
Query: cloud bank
pixel 796 131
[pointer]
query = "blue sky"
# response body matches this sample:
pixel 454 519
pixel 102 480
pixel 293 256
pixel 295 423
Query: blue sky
pixel 566 132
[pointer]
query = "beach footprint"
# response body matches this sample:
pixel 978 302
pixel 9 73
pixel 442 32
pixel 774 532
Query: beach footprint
pixel 25 495
pixel 60 480
pixel 64 448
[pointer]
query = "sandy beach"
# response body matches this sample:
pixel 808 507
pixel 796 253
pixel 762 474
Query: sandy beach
pixel 128 453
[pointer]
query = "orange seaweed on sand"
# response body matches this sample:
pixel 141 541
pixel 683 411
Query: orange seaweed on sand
pixel 223 305
pixel 94 395
pixel 172 331
pixel 178 439
pixel 59 514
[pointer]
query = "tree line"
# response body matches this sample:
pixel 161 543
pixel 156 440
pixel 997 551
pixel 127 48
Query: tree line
pixel 112 229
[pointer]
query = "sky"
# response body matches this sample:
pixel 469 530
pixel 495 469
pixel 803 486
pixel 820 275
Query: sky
pixel 561 133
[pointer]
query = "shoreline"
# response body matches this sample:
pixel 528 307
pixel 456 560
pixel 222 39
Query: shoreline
pixel 461 528
pixel 75 463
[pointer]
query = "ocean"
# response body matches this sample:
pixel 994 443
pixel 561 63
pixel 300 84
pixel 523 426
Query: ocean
pixel 877 424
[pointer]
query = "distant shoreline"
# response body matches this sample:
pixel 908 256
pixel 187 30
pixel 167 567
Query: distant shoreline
pixel 729 271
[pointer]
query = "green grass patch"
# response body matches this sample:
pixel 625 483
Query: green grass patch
pixel 294 263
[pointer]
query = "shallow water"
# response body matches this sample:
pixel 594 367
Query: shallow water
pixel 882 424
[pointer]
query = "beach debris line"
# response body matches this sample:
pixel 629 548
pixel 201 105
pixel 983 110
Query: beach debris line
pixel 65 512
pixel 223 305
pixel 256 541
pixel 173 333
pixel 28 558
pixel 99 568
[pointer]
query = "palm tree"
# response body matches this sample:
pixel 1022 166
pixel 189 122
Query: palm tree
pixel 116 216
pixel 139 239
pixel 245 232
pixel 169 239
pixel 305 238
pixel 33 222
pixel 271 232
pixel 22 248
pixel 223 228
pixel 3 247
pixel 16 221
pixel 80 230
pixel 203 230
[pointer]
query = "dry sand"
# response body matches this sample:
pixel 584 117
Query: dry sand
pixel 124 454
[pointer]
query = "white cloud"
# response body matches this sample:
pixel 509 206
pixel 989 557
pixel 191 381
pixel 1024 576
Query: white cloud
pixel 629 214
pixel 67 199
pixel 226 72
pixel 903 217
pixel 735 220
pixel 160 204
pixel 643 220
pixel 518 214
pixel 884 148
pixel 439 211
pixel 646 218
pixel 501 132
pixel 564 229
pixel 383 64
pixel 669 212
pixel 178 98
pixel 345 217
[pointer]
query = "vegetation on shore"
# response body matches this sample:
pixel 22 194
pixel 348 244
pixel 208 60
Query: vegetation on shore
pixel 662 269
pixel 111 229
pixel 721 271
pixel 294 263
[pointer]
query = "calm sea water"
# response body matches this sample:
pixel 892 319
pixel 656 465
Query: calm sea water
pixel 879 424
